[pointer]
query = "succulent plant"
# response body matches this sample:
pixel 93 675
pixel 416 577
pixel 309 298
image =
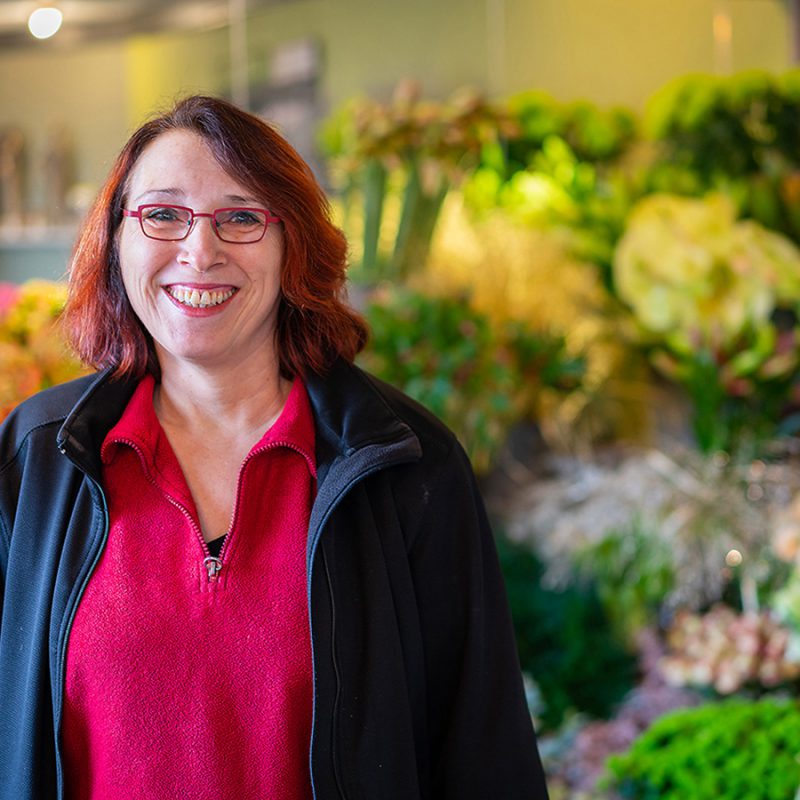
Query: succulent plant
pixel 727 651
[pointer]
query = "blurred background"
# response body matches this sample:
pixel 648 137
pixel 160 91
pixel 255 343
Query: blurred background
pixel 574 230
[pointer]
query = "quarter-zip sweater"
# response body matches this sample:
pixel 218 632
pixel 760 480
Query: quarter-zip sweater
pixel 189 676
pixel 417 688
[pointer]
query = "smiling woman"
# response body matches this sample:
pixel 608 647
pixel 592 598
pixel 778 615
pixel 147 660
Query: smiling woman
pixel 233 564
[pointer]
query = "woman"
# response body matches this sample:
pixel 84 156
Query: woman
pixel 234 565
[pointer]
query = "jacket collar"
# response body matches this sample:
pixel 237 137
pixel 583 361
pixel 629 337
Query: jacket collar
pixel 98 409
pixel 351 412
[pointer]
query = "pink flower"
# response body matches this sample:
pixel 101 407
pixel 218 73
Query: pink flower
pixel 8 296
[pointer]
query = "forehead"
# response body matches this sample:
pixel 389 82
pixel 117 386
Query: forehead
pixel 181 161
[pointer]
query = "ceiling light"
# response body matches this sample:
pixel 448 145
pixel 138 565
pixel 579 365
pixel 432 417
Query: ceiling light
pixel 44 22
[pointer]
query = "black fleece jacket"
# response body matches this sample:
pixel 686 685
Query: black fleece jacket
pixel 417 689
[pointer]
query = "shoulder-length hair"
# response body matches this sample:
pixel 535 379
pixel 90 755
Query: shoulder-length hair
pixel 314 324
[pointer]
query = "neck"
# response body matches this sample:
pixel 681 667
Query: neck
pixel 227 401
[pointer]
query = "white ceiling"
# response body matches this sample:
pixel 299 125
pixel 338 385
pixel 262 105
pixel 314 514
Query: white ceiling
pixel 96 20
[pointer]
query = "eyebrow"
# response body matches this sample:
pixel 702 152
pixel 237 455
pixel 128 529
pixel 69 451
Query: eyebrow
pixel 171 192
pixel 179 194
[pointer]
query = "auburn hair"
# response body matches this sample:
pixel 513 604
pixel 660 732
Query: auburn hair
pixel 314 324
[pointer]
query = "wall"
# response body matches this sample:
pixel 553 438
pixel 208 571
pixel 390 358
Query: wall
pixel 620 51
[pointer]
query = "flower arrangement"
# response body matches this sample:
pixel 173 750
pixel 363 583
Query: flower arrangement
pixel 695 275
pixel 33 353
pixel 477 377
pixel 716 302
pixel 727 651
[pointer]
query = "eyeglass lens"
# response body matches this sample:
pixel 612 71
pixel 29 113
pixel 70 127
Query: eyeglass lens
pixel 173 223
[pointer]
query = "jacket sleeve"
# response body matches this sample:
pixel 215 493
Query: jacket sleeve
pixel 481 732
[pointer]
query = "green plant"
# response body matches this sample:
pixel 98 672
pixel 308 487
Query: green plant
pixel 559 170
pixel 737 134
pixel 477 377
pixel 565 641
pixel 735 750
pixel 634 572
pixel 595 135
pixel 416 148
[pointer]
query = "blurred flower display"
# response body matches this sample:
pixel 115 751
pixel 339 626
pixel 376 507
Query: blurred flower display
pixel 728 652
pixel 661 254
pixel 33 354
pixel 411 148
pixel 716 300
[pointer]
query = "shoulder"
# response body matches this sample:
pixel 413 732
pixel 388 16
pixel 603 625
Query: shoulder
pixel 44 412
pixel 414 414
pixel 353 408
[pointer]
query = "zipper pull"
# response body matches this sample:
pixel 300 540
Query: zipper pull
pixel 213 566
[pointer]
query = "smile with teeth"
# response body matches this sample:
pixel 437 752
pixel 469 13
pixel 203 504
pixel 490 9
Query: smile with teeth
pixel 200 299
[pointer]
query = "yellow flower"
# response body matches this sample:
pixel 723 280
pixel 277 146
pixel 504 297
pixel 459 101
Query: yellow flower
pixel 689 270
pixel 33 352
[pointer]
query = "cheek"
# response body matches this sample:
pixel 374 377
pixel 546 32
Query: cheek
pixel 138 263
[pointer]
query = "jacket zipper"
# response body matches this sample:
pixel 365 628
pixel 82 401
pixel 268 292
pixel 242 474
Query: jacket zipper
pixel 212 564
pixel 316 535
pixel 62 653
pixel 249 457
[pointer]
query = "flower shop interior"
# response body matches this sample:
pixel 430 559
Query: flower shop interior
pixel 574 230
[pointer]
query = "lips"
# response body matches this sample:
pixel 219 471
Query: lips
pixel 194 297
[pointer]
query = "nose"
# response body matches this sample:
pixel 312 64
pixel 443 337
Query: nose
pixel 201 248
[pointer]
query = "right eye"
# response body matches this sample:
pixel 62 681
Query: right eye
pixel 162 214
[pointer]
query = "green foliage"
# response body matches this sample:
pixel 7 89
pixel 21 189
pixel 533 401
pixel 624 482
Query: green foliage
pixel 736 750
pixel 565 641
pixel 477 377
pixel 737 134
pixel 595 135
pixel 558 170
pixel 634 572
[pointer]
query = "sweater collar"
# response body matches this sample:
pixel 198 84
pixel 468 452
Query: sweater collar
pixel 139 427
pixel 348 409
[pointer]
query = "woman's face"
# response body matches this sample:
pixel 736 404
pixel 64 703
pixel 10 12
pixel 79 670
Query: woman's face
pixel 234 323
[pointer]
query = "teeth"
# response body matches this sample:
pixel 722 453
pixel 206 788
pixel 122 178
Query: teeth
pixel 196 299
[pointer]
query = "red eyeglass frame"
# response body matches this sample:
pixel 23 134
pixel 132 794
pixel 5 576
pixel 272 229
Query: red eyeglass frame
pixel 270 218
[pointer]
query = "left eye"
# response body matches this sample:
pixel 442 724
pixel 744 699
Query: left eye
pixel 239 217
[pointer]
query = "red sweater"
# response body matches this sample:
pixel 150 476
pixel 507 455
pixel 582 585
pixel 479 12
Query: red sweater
pixel 186 679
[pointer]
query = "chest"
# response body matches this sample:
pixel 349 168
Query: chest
pixel 212 469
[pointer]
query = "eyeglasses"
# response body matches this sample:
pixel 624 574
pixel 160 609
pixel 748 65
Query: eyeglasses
pixel 173 223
